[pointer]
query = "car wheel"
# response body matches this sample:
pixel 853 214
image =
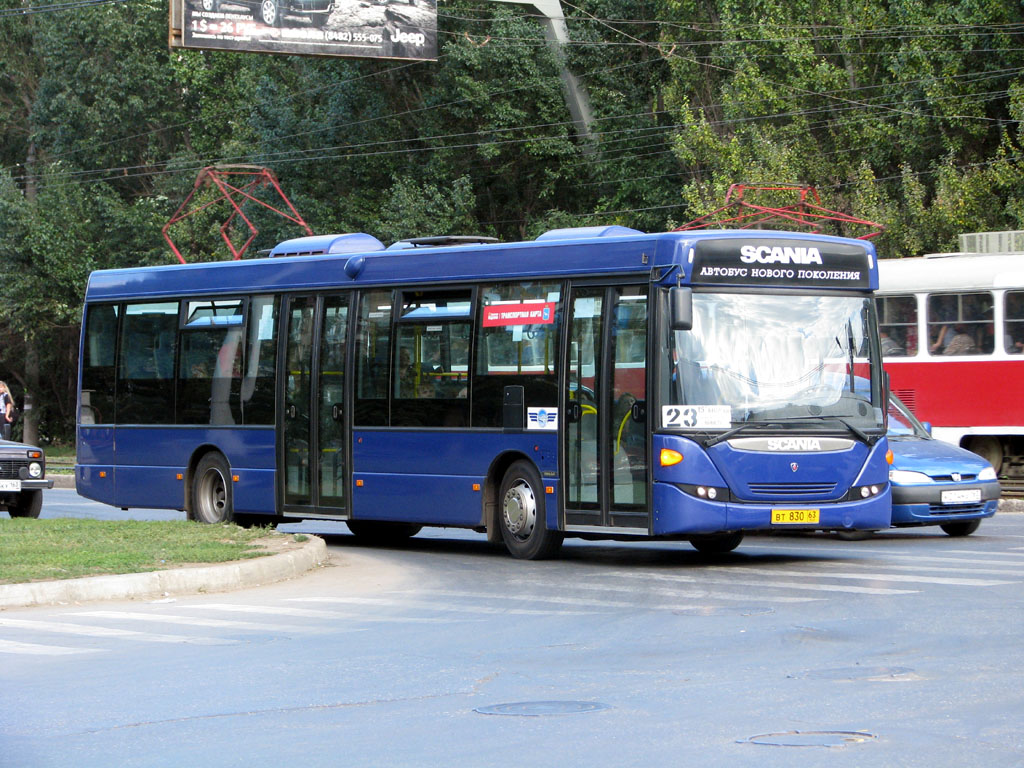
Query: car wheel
pixel 961 529
pixel 716 543
pixel 27 504
pixel 211 491
pixel 270 13
pixel 381 532
pixel 521 515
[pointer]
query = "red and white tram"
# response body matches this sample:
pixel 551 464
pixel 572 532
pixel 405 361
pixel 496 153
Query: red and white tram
pixel 952 330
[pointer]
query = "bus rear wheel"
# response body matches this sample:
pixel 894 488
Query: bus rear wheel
pixel 521 515
pixel 211 491
pixel 716 543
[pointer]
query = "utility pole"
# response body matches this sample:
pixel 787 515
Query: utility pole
pixel 557 35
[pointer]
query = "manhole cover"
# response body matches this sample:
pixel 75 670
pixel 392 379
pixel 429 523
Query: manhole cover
pixel 811 738
pixel 540 708
pixel 873 674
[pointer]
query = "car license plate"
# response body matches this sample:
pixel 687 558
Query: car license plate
pixel 972 496
pixel 10 485
pixel 795 516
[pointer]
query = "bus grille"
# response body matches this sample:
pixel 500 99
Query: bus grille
pixel 792 489
pixel 956 509
pixel 9 469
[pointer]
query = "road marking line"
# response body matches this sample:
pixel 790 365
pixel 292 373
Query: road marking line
pixel 92 631
pixel 191 621
pixel 874 576
pixel 311 613
pixel 33 649
pixel 783 585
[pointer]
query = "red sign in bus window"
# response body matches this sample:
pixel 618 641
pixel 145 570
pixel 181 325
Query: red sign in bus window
pixel 532 313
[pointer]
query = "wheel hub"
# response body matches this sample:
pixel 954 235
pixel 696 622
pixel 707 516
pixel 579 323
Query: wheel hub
pixel 520 510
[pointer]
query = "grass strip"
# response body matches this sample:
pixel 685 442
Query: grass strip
pixel 68 548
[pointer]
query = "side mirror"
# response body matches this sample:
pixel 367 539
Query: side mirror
pixel 681 308
pixel 927 426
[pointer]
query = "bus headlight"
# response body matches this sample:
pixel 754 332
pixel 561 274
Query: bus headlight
pixel 35 470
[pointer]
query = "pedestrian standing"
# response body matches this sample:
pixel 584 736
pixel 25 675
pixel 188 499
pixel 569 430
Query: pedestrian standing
pixel 6 411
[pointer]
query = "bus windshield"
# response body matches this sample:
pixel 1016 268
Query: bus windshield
pixel 771 357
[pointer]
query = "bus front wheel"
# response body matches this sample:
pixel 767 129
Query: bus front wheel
pixel 211 490
pixel 521 515
pixel 716 543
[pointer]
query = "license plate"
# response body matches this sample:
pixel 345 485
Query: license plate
pixel 962 497
pixel 10 485
pixel 795 516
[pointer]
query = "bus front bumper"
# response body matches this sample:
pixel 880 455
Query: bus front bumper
pixel 679 513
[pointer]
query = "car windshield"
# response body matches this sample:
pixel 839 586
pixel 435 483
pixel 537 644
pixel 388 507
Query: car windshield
pixel 902 423
pixel 774 357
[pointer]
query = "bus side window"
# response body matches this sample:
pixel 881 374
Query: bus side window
pixel 517 345
pixel 98 373
pixel 257 386
pixel 373 344
pixel 147 345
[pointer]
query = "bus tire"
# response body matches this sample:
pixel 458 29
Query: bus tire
pixel 965 528
pixel 521 515
pixel 716 543
pixel 26 504
pixel 211 491
pixel 382 532
pixel 855 535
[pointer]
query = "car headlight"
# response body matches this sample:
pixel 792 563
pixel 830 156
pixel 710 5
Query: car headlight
pixel 988 473
pixel 35 469
pixel 906 477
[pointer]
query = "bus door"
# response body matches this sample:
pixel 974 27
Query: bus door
pixel 605 450
pixel 314 452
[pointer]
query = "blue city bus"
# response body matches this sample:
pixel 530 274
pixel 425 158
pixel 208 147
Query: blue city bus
pixel 599 383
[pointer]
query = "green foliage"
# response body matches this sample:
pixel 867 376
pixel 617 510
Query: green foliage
pixel 906 113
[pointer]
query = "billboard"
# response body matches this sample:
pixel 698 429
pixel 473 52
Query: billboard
pixel 384 29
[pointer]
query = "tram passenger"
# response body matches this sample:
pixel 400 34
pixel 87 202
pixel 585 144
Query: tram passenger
pixel 962 342
pixel 890 347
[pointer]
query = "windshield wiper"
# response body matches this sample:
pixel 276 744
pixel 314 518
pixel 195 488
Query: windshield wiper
pixel 721 438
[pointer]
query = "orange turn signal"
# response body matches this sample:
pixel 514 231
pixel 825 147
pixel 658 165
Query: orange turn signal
pixel 888 456
pixel 670 457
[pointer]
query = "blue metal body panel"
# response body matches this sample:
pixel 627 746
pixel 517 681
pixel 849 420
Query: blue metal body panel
pixel 409 472
pixel 678 512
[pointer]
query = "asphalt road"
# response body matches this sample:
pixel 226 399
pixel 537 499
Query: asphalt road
pixel 904 650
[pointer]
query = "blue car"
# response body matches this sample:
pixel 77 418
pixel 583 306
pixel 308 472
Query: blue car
pixel 935 483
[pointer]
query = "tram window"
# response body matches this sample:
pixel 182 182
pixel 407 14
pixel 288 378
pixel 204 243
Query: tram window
pixel 1013 327
pixel 898 324
pixel 961 324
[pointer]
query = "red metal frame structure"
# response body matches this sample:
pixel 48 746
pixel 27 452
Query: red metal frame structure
pixel 222 177
pixel 807 215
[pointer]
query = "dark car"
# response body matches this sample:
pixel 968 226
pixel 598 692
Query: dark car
pixel 271 12
pixel 22 478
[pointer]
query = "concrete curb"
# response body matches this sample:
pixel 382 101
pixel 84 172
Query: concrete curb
pixel 62 480
pixel 177 581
